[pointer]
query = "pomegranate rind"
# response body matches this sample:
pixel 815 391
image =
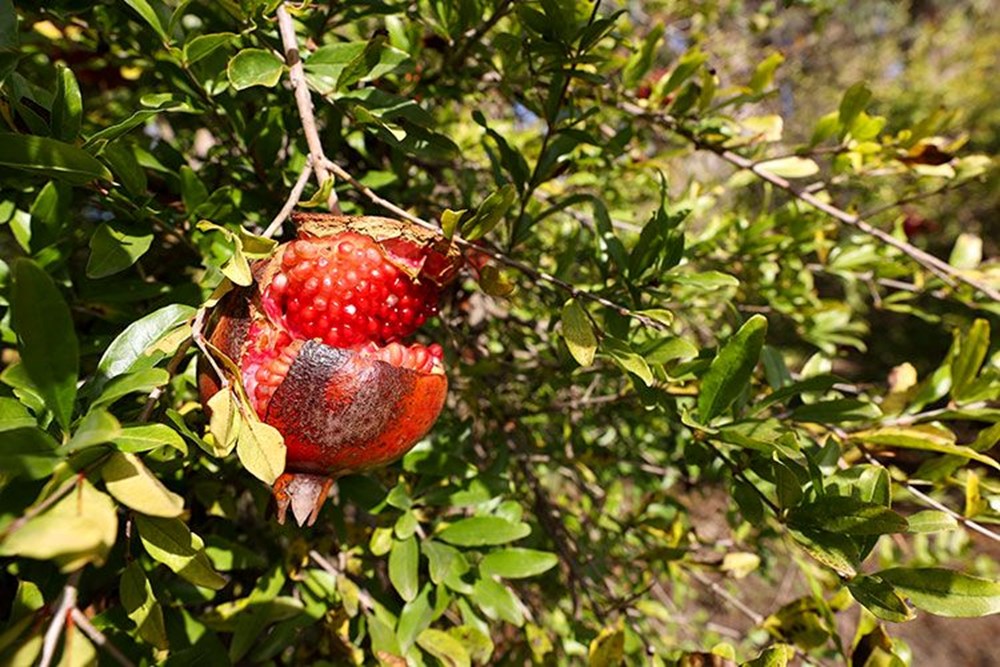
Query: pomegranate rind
pixel 340 412
pixel 418 251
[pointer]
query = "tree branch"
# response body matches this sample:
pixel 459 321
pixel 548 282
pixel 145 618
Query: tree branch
pixel 67 602
pixel 938 267
pixel 303 99
pixel 293 199
pixel 98 638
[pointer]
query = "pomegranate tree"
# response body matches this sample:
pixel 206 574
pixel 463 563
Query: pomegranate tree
pixel 320 341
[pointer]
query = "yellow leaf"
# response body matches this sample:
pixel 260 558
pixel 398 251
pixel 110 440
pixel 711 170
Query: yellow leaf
pixel 261 450
pixel 132 483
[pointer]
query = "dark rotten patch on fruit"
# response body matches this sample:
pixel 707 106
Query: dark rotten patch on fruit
pixel 319 340
pixel 343 411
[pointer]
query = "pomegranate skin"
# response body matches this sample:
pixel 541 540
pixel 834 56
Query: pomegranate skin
pixel 340 412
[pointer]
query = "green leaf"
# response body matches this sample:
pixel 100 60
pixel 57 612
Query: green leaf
pixel 132 484
pixel 193 191
pixel 684 70
pixel 926 438
pixel 14 415
pixel 97 428
pixel 730 371
pixel 489 213
pixel 52 158
pixel 478 531
pixel 974 345
pixel 143 381
pixel 517 563
pixel 142 606
pixel 578 333
pixel 880 598
pixel 46 338
pixel 640 61
pixel 835 551
pixel 840 514
pixel 773 656
pixel 853 102
pixel 444 561
pixel 450 220
pixel 607 649
pixel 325 67
pixel 113 250
pixel 9 38
pixel 67 106
pixel 224 422
pixel 790 167
pixel 170 542
pixel 416 616
pixel 931 521
pixel 79 529
pixel 144 9
pixel 763 74
pixel 495 282
pixel 145 437
pixel 261 450
pixel 121 158
pixel 203 46
pixel 118 130
pixel 374 60
pixel 837 411
pixel 28 452
pixel 137 340
pixel 623 355
pixel 945 592
pixel 497 601
pixel 448 650
pixel 254 67
pixel 403 561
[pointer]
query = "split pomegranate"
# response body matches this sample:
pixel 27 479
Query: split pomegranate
pixel 319 339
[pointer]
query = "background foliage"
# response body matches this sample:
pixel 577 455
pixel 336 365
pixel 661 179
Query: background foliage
pixel 691 412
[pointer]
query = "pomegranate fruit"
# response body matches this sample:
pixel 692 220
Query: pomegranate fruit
pixel 319 341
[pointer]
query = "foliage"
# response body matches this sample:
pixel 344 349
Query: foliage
pixel 672 380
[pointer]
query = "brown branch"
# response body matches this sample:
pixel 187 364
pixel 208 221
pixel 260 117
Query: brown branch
pixel 157 393
pixel 67 602
pixel 363 595
pixel 293 199
pixel 940 268
pixel 99 638
pixel 496 255
pixel 303 99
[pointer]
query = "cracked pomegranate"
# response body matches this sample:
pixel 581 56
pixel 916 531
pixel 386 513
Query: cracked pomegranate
pixel 319 341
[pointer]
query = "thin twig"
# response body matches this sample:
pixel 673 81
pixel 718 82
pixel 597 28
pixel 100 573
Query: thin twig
pixel 496 255
pixel 363 596
pixel 293 199
pixel 98 638
pixel 172 366
pixel 727 596
pixel 741 607
pixel 67 602
pixel 940 268
pixel 968 523
pixel 303 99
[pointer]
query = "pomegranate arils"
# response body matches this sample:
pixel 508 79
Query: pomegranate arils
pixel 416 357
pixel 346 292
